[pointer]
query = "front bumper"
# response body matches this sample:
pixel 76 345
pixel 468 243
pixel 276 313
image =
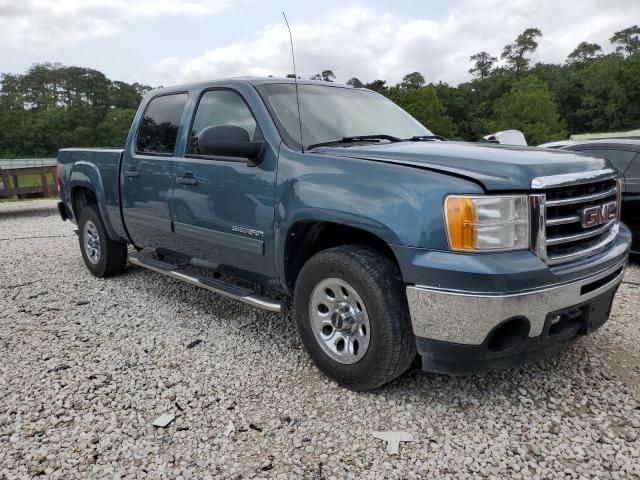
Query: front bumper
pixel 444 319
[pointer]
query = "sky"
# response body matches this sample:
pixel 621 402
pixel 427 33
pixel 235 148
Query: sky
pixel 165 42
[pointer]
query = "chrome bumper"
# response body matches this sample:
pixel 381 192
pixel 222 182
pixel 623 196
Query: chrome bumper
pixel 468 317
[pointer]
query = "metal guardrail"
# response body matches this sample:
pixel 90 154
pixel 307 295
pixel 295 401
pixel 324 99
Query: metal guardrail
pixel 13 169
pixel 9 163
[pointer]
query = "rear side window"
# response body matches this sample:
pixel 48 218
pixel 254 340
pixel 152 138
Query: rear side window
pixel 159 127
pixel 221 108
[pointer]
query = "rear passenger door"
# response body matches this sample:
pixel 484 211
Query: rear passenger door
pixel 223 208
pixel 147 172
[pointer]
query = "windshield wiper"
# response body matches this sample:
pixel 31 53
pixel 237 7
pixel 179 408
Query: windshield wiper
pixel 357 138
pixel 427 138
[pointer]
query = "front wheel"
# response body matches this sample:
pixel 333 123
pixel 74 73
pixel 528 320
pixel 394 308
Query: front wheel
pixel 352 315
pixel 102 256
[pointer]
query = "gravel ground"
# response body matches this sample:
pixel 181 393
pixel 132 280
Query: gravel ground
pixel 88 364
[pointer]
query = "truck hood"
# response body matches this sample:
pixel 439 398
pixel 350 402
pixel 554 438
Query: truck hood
pixel 496 167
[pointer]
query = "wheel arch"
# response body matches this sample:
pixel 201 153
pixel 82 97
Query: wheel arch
pixel 81 196
pixel 86 188
pixel 305 238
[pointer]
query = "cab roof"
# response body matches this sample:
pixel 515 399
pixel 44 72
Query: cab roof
pixel 255 81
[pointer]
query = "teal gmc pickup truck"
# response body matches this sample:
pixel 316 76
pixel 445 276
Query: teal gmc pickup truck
pixel 390 241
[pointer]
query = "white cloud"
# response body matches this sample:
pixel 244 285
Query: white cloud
pixel 369 44
pixel 53 24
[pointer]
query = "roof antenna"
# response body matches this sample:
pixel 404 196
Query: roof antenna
pixel 295 80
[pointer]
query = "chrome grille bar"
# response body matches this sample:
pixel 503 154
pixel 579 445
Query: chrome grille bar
pixel 582 199
pixel 557 233
pixel 586 252
pixel 563 220
pixel 580 236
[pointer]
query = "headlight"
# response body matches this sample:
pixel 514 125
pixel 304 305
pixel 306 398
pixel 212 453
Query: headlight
pixel 487 222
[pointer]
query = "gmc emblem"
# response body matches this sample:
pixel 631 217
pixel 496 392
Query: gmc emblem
pixel 594 216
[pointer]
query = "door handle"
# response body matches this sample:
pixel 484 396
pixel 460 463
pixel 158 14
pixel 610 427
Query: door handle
pixel 187 179
pixel 131 173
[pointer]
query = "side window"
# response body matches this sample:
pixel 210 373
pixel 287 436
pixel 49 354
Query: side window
pixel 159 126
pixel 620 158
pixel 221 108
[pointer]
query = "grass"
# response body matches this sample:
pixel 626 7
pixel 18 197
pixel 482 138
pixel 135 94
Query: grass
pixel 30 180
pixel 16 199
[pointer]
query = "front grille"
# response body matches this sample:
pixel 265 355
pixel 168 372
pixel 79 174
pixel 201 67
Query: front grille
pixel 565 238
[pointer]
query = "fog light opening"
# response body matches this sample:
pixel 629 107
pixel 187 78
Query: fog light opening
pixel 509 334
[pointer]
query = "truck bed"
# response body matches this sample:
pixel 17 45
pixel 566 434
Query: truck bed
pixel 97 169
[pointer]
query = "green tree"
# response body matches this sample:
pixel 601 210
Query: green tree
pixel 413 80
pixel 529 107
pixel 566 84
pixel 606 94
pixel 52 106
pixel 584 52
pixel 423 104
pixel 379 86
pixel 124 95
pixel 483 63
pixel 458 103
pixel 630 82
pixel 113 129
pixel 355 82
pixel 325 76
pixel 515 54
pixel 627 40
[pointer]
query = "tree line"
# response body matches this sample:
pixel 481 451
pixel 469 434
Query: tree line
pixel 52 106
pixel 590 92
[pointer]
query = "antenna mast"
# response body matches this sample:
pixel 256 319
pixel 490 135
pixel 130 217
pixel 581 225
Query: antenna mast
pixel 295 80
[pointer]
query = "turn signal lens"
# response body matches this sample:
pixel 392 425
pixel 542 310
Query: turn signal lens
pixel 487 222
pixel 461 217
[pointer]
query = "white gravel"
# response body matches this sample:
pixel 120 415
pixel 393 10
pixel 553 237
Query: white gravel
pixel 87 365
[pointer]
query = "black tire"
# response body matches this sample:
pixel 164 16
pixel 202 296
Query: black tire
pixel 112 257
pixel 376 280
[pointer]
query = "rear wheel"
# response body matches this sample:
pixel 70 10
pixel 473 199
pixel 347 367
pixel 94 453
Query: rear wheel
pixel 352 316
pixel 102 256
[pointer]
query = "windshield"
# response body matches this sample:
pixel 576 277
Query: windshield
pixel 333 113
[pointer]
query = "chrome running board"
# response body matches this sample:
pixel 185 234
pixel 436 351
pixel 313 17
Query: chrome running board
pixel 220 287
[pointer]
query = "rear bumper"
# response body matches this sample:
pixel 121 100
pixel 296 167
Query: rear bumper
pixel 457 330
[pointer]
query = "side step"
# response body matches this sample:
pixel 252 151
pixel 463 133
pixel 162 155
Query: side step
pixel 230 290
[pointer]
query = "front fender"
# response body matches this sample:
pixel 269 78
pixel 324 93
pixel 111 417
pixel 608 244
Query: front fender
pixel 399 204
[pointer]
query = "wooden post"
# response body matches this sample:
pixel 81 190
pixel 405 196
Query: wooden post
pixel 5 184
pixel 9 190
pixel 45 183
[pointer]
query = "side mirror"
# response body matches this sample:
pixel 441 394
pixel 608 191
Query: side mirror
pixel 229 141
